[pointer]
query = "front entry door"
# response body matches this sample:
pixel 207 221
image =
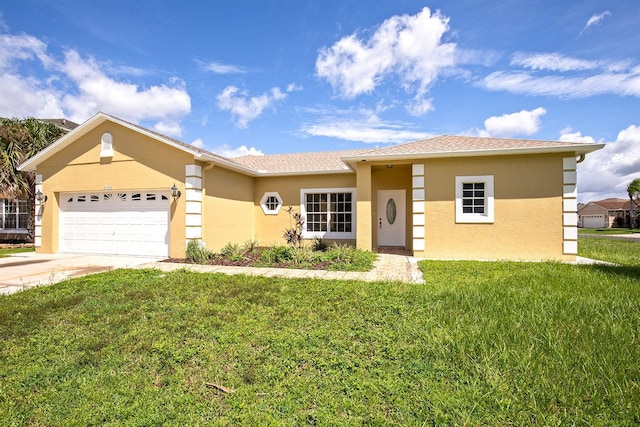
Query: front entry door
pixel 391 218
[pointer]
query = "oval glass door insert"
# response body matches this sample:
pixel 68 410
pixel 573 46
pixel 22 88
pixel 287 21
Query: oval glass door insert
pixel 391 211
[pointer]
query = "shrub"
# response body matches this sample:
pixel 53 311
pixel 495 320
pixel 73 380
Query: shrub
pixel 319 245
pixel 233 251
pixel 198 253
pixel 349 258
pixel 293 235
pixel 277 255
pixel 250 245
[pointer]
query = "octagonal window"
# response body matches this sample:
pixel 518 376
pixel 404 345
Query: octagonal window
pixel 271 203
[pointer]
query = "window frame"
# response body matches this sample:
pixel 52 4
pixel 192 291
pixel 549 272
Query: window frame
pixel 20 215
pixel 329 234
pixel 265 206
pixel 488 216
pixel 106 145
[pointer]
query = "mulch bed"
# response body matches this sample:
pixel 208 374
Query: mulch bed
pixel 253 259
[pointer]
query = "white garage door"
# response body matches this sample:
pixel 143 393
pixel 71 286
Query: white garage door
pixel 593 221
pixel 119 223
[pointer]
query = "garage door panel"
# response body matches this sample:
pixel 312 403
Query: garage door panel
pixel 132 223
pixel 593 221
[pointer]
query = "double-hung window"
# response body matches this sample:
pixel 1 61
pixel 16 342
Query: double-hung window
pixel 14 214
pixel 328 213
pixel 474 199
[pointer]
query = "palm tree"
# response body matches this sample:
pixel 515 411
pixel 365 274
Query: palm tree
pixel 633 189
pixel 19 140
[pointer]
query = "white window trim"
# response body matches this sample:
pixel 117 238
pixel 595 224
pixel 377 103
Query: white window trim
pixel 328 234
pixel 263 203
pixel 106 145
pixel 471 218
pixel 16 215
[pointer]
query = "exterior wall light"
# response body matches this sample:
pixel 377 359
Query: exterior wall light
pixel 41 198
pixel 175 193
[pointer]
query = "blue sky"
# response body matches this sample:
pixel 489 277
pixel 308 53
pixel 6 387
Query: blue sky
pixel 275 76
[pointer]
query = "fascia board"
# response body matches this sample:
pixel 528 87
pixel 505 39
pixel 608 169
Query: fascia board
pixel 583 149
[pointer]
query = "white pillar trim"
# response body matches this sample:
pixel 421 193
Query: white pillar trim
pixel 418 206
pixel 37 234
pixel 569 206
pixel 193 201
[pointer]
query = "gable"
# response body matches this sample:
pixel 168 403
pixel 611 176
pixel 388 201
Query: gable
pixel 127 146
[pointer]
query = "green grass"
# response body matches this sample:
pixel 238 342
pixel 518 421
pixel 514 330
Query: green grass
pixel 5 252
pixel 479 344
pixel 607 231
pixel 620 252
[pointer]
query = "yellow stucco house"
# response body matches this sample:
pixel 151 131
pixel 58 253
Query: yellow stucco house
pixel 106 187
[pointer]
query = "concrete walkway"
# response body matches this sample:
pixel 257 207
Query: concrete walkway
pixel 635 237
pixel 27 270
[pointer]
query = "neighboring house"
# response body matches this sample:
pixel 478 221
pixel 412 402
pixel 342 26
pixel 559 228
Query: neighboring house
pixel 14 218
pixel 14 212
pixel 607 213
pixel 107 188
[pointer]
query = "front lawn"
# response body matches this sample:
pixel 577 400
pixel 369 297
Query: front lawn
pixel 607 231
pixel 5 252
pixel 479 344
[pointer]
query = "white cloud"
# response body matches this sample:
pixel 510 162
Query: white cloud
pixel 551 61
pixel 77 87
pixel 595 19
pixel 292 87
pixel 605 83
pixel 407 46
pixel 36 98
pixel 607 172
pixel 567 135
pixel 230 152
pixel 509 125
pixel 198 143
pixel 22 48
pixel 168 128
pixel 244 109
pixel 99 92
pixel 361 126
pixel 220 68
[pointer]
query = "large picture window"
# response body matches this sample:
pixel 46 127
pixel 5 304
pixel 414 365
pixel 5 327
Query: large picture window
pixel 328 213
pixel 474 199
pixel 14 214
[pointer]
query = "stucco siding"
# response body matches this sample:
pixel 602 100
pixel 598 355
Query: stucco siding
pixel 228 208
pixel 270 228
pixel 528 193
pixel 138 162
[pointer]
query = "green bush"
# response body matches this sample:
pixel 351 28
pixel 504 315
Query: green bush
pixel 348 258
pixel 198 253
pixel 233 251
pixel 277 255
pixel 319 245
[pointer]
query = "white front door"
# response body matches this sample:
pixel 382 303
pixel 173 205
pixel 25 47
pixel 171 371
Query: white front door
pixel 391 218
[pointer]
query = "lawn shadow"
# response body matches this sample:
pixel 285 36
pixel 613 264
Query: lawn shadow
pixel 630 271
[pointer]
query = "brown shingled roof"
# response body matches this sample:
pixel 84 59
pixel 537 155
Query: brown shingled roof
pixel 299 163
pixel 613 204
pixel 450 144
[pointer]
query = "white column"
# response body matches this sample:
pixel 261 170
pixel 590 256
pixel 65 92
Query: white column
pixel 37 235
pixel 193 199
pixel 417 206
pixel 569 206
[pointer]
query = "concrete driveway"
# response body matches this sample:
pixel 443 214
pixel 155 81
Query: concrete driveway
pixel 26 270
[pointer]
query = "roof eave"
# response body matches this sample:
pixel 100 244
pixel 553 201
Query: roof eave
pixel 582 149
